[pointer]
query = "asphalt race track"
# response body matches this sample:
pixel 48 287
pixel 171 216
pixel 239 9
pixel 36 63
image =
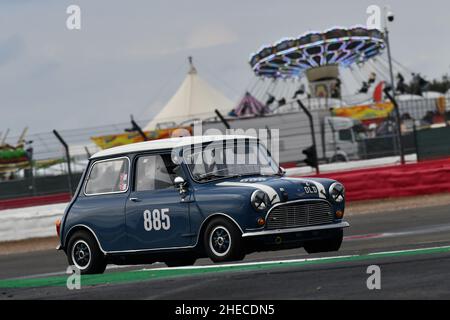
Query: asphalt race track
pixel 412 249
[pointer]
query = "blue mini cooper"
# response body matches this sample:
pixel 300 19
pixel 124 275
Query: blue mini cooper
pixel 180 199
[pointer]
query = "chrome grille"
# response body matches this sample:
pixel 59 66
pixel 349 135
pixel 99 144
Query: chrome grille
pixel 297 215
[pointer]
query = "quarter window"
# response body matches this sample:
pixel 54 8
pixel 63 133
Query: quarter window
pixel 109 176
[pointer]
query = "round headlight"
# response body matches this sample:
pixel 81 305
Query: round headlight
pixel 260 200
pixel 337 192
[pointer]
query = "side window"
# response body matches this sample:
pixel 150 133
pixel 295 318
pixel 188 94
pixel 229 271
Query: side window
pixel 108 177
pixel 155 172
pixel 345 135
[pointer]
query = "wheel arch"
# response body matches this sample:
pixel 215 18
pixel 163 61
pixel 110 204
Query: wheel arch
pixel 81 227
pixel 208 220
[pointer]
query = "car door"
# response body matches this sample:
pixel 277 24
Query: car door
pixel 157 217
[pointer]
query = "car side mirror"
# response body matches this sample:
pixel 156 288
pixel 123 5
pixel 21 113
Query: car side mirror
pixel 283 171
pixel 180 184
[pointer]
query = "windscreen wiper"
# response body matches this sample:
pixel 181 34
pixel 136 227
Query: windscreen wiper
pixel 211 175
pixel 215 175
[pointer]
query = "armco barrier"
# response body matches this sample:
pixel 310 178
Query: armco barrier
pixel 428 177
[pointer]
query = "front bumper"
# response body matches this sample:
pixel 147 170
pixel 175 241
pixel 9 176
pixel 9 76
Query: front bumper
pixel 275 232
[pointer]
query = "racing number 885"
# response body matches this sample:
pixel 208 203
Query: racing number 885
pixel 156 219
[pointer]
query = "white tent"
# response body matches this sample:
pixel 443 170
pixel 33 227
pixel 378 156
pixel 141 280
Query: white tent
pixel 195 99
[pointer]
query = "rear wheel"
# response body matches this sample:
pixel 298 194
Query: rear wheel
pixel 326 245
pixel 84 253
pixel 223 241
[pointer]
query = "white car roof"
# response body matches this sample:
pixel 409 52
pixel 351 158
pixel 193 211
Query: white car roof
pixel 161 144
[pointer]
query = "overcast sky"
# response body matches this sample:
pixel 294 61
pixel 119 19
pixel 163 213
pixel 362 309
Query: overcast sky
pixel 130 56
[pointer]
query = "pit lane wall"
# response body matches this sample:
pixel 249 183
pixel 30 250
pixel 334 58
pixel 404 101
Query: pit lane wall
pixel 390 181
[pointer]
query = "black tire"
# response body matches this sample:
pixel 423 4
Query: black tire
pixel 181 262
pixel 222 241
pixel 326 245
pixel 83 253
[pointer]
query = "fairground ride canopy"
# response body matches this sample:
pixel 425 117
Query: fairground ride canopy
pixel 292 58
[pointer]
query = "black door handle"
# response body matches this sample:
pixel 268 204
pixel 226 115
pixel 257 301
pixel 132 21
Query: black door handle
pixel 135 199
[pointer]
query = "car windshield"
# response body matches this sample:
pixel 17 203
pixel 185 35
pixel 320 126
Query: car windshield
pixel 229 158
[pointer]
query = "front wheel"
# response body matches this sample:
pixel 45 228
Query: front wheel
pixel 223 241
pixel 326 245
pixel 84 253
